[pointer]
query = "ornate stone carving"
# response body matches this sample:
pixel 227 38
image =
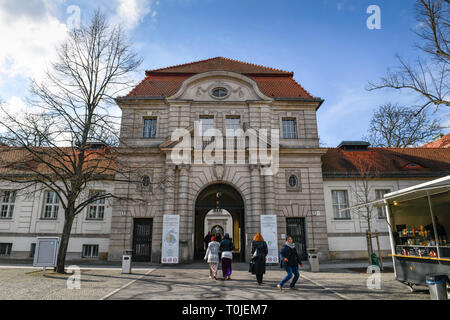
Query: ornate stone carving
pixel 219 171
pixel 219 83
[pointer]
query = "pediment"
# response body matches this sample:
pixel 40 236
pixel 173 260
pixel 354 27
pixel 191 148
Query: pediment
pixel 235 88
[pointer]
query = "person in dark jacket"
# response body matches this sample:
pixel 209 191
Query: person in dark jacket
pixel 207 239
pixel 259 253
pixel 290 261
pixel 226 248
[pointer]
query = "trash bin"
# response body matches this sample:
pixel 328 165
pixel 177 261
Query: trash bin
pixel 438 286
pixel 126 261
pixel 375 261
pixel 313 258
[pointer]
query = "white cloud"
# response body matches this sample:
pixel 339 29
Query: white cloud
pixel 30 32
pixel 131 13
pixel 15 105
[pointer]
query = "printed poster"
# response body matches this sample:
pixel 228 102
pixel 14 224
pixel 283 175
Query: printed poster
pixel 270 235
pixel 170 240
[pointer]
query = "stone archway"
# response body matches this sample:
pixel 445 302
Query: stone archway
pixel 220 196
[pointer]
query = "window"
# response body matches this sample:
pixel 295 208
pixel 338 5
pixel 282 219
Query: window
pixel 289 126
pixel 340 201
pixel 32 250
pixel 293 181
pixel 5 249
pixel 413 166
pixel 149 127
pixel 51 205
pixel 379 193
pixel 145 181
pixel 232 123
pixel 96 209
pixel 90 250
pixel 7 206
pixel 220 92
pixel 206 122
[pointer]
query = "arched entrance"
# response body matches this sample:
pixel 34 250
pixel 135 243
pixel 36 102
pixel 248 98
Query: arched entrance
pixel 217 197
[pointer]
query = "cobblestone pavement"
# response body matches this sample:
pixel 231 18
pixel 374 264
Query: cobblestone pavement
pixel 191 282
pixel 30 284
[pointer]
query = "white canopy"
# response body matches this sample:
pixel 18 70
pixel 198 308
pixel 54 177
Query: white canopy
pixel 437 186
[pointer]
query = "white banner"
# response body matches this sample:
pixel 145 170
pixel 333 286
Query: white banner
pixel 170 238
pixel 270 235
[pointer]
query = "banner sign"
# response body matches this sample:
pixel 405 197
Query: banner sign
pixel 270 235
pixel 170 240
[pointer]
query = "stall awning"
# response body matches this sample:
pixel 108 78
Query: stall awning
pixel 437 186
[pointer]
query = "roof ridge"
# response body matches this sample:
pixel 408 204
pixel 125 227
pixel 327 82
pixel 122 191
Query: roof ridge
pixel 180 65
pixel 216 58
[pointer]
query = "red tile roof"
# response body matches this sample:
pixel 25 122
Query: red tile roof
pixel 386 162
pixel 220 64
pixel 20 161
pixel 444 142
pixel 272 82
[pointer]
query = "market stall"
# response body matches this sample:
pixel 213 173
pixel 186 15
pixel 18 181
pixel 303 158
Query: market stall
pixel 419 220
pixel 419 226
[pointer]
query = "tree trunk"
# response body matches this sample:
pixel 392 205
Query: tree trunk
pixel 369 237
pixel 65 236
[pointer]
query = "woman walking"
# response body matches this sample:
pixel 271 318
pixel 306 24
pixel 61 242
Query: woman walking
pixel 226 247
pixel 212 257
pixel 259 253
pixel 290 261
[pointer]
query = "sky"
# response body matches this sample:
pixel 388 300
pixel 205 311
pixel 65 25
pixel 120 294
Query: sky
pixel 326 43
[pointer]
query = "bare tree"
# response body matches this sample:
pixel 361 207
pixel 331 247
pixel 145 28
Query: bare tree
pixel 396 126
pixel 363 192
pixel 428 78
pixel 92 68
pixel 34 128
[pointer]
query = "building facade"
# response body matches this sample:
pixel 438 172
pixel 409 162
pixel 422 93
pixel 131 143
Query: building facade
pixel 354 174
pixel 26 215
pixel 223 94
pixel 306 189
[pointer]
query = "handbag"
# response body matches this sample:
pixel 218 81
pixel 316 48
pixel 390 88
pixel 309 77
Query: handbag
pixel 255 254
pixel 251 267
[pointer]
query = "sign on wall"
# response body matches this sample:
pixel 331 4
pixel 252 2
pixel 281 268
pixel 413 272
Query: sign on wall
pixel 270 235
pixel 170 240
pixel 46 252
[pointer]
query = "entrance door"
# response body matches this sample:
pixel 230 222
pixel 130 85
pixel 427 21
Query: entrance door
pixel 218 197
pixel 295 227
pixel 142 239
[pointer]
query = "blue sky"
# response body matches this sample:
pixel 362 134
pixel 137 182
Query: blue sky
pixel 324 42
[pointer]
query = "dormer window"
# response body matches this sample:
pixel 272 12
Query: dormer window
pixel 413 166
pixel 219 92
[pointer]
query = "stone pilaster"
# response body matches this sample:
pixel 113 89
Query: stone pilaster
pixel 183 211
pixel 269 195
pixel 256 209
pixel 169 190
